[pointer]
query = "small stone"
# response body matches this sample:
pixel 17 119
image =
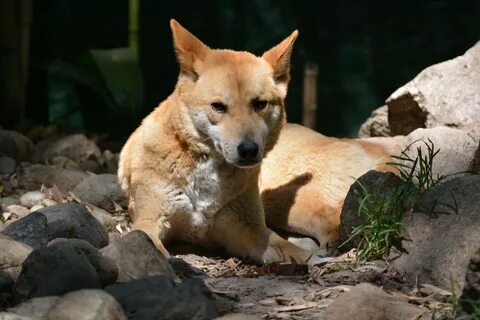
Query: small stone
pixel 101 190
pixel 19 211
pixel 36 307
pixel 365 302
pixel 12 256
pixel 106 268
pixel 32 198
pixel 16 146
pixel 7 165
pixel 55 270
pixel 75 147
pixel 32 230
pixel 86 304
pixel 137 257
pixel 105 218
pixel 72 220
pixel 8 201
pixel 36 207
pixel 13 316
pixel 49 202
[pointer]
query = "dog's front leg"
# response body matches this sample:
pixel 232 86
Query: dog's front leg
pixel 240 228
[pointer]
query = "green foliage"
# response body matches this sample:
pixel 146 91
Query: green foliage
pixel 382 213
pixel 473 305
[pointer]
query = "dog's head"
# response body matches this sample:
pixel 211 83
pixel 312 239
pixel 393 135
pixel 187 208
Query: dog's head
pixel 233 98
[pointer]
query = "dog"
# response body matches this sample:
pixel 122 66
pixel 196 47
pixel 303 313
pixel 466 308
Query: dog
pixel 193 169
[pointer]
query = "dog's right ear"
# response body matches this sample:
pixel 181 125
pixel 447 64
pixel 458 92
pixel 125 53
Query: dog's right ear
pixel 189 49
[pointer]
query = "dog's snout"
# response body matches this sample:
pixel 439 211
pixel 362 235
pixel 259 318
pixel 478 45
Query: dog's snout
pixel 248 150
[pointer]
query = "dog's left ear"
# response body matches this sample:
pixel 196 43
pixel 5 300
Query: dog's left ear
pixel 189 49
pixel 279 58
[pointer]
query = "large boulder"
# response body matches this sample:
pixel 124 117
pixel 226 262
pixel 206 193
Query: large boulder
pixel 16 146
pixel 445 94
pixel 137 257
pixel 442 233
pixel 32 230
pixel 75 147
pixel 101 190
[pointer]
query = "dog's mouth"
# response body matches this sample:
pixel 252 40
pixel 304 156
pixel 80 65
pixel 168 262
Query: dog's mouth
pixel 246 164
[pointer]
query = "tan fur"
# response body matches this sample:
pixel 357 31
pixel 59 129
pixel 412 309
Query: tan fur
pixel 185 177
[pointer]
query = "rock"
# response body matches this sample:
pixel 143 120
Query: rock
pixel 184 270
pixel 383 183
pixel 101 190
pixel 137 257
pixel 366 302
pixel 12 256
pixel 91 166
pixel 445 94
pixel 106 268
pixel 12 316
pixel 238 316
pixel 475 166
pixel 442 233
pixel 37 175
pixel 456 149
pixel 138 296
pixel 64 163
pixel 2 226
pixel 105 218
pixel 55 270
pixel 86 305
pixel 16 146
pixel 7 165
pixel 36 308
pixel 5 202
pixel 190 300
pixel 6 288
pixel 75 147
pixel 376 125
pixel 19 211
pixel 72 220
pixel 32 198
pixel 32 230
pixel 471 290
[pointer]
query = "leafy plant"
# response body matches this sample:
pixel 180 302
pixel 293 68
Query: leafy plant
pixel 382 213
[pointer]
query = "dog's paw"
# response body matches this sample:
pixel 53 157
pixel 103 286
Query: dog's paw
pixel 281 250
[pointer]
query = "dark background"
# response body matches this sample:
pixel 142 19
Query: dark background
pixel 364 49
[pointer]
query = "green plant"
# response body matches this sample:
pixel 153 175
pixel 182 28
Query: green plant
pixel 472 305
pixel 382 212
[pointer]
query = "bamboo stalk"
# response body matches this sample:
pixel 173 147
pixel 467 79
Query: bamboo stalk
pixel 310 73
pixel 133 25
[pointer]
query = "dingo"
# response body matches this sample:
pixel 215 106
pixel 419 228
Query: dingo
pixel 191 170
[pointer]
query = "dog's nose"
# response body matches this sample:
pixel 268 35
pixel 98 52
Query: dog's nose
pixel 248 150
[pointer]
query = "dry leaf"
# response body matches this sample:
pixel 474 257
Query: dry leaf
pixel 117 207
pixel 6 215
pixel 74 197
pixel 299 307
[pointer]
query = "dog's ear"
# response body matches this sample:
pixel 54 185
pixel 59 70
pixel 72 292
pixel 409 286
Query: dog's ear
pixel 279 58
pixel 189 49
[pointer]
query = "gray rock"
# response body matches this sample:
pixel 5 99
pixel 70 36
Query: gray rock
pixel 36 308
pixel 101 190
pixel 445 94
pixel 2 226
pixel 6 288
pixel 138 296
pixel 72 220
pixel 376 125
pixel 443 233
pixel 137 257
pixel 106 268
pixel 12 256
pixel 471 290
pixel 190 300
pixel 32 198
pixel 13 316
pixel 16 146
pixel 75 147
pixel 366 302
pixel 5 202
pixel 86 305
pixel 475 166
pixel 32 230
pixel 456 149
pixel 7 165
pixel 383 183
pixel 55 270
pixel 37 175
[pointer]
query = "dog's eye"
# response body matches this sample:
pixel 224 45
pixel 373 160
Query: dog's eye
pixel 219 107
pixel 259 105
